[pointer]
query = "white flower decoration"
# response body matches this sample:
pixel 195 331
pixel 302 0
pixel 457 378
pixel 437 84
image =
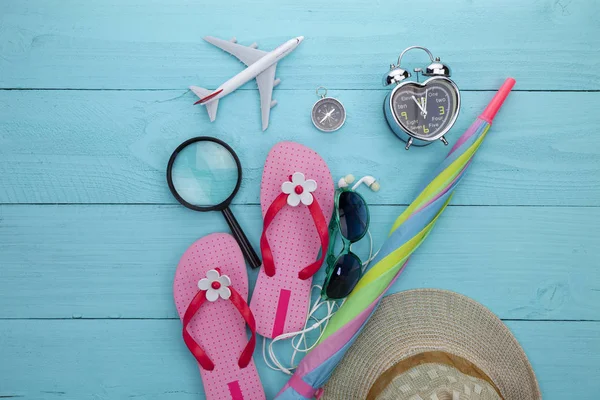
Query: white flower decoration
pixel 299 190
pixel 215 285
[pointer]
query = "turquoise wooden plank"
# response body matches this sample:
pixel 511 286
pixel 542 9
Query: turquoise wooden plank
pixel 113 147
pixel 119 261
pixel 104 359
pixel 139 44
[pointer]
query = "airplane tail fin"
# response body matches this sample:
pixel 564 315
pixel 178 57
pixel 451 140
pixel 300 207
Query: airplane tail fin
pixel 211 107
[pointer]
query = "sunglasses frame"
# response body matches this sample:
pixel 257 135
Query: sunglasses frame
pixel 334 230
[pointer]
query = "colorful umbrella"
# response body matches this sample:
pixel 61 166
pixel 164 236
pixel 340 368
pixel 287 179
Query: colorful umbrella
pixel 407 233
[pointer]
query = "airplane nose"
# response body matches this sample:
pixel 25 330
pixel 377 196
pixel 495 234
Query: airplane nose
pixel 300 39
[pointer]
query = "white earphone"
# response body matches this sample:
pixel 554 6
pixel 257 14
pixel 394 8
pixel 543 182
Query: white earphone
pixel 368 180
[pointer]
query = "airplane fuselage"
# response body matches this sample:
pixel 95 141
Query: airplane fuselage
pixel 256 68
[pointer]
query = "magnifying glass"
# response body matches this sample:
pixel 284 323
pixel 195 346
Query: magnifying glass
pixel 204 174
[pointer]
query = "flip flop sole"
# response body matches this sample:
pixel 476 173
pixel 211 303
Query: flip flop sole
pixel 218 326
pixel 280 303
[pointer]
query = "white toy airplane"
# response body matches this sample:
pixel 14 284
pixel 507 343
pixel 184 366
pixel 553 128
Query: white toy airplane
pixel 261 66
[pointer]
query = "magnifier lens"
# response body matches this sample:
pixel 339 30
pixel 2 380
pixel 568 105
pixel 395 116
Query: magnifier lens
pixel 204 173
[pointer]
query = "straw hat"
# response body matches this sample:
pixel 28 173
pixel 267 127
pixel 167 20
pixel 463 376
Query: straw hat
pixel 429 344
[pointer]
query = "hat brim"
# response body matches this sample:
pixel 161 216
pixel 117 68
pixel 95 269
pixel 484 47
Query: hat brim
pixel 424 320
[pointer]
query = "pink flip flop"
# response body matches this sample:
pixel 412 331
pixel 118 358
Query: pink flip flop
pixel 296 197
pixel 210 290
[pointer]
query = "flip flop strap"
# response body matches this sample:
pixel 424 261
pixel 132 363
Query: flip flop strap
pixel 322 230
pixel 200 355
pixel 268 263
pixel 246 313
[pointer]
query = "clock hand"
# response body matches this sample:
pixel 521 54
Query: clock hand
pixel 420 106
pixel 425 105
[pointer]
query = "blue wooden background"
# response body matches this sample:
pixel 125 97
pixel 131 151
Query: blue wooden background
pixel 93 99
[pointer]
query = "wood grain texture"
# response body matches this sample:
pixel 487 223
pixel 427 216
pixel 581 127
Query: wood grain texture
pixel 135 44
pixel 113 147
pixel 90 235
pixel 146 359
pixel 119 261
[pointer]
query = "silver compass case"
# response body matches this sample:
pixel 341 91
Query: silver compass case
pixel 328 114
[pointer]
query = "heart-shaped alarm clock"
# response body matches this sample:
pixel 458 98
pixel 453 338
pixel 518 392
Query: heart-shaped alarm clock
pixel 421 113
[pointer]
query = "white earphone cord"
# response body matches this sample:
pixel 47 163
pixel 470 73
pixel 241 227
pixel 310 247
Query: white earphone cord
pixel 300 335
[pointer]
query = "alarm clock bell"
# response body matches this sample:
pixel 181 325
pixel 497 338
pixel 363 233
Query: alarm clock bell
pixel 395 75
pixel 436 68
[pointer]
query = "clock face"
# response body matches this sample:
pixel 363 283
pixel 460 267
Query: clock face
pixel 328 114
pixel 426 111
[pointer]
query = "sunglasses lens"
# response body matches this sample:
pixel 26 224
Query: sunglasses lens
pixel 354 217
pixel 345 276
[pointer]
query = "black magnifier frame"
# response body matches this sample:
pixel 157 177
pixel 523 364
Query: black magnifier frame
pixel 236 230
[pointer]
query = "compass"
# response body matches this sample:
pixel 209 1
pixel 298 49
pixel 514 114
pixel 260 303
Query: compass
pixel 328 114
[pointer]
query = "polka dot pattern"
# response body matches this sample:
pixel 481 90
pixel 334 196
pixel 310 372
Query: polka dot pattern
pixel 218 327
pixel 292 236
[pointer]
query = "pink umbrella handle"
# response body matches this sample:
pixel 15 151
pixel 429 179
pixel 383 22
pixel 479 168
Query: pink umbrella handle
pixel 490 111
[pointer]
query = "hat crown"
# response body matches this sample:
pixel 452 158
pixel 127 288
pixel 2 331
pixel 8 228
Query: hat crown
pixel 412 323
pixel 433 381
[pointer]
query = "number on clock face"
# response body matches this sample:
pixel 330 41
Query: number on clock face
pixel 425 110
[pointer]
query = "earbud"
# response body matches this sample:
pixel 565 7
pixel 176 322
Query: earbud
pixel 368 180
pixel 372 183
pixel 345 181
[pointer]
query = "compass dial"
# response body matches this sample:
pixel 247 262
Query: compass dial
pixel 328 114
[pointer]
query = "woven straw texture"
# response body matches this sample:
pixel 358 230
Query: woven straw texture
pixel 424 320
pixel 437 382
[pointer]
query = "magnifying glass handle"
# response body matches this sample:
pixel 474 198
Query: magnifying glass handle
pixel 241 238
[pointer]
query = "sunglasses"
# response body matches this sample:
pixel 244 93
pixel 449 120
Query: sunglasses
pixel 351 220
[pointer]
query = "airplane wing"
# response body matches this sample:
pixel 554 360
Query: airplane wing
pixel 245 54
pixel 265 82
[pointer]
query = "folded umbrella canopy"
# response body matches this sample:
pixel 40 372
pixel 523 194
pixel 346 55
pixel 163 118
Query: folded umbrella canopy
pixel 407 233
